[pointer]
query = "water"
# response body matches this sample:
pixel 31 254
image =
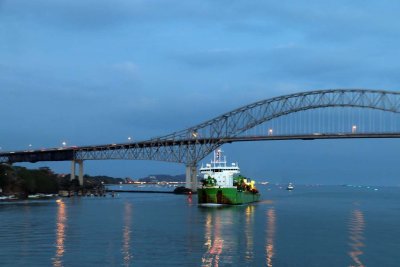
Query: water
pixel 310 226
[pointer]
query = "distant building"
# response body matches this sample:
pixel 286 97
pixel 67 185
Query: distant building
pixel 153 179
pixel 129 180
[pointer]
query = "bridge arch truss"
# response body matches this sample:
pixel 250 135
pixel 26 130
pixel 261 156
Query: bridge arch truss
pixel 191 145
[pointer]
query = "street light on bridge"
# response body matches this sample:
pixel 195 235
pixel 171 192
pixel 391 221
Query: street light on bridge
pixel 270 131
pixel 64 143
pixel 353 129
pixel 129 139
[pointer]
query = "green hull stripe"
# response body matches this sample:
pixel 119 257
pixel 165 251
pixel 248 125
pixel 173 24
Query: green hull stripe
pixel 226 196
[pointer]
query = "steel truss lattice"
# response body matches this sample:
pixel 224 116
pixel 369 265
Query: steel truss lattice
pixel 191 145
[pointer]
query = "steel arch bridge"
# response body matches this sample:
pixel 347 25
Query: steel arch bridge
pixel 193 144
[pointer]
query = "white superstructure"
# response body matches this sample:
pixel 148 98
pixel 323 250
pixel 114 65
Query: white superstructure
pixel 219 170
pixel 290 186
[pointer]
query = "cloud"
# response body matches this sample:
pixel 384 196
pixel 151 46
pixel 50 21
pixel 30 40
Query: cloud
pixel 337 19
pixel 128 68
pixel 211 58
pixel 99 14
pixel 88 14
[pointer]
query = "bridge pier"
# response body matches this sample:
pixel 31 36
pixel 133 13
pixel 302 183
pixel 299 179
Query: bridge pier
pixel 73 170
pixel 80 162
pixel 80 176
pixel 191 177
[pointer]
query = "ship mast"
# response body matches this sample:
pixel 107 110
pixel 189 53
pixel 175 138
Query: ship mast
pixel 219 159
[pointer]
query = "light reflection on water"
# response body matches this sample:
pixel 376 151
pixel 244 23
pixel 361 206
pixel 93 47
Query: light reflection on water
pixel 224 230
pixel 168 230
pixel 213 241
pixel 249 233
pixel 356 236
pixel 269 246
pixel 126 236
pixel 60 234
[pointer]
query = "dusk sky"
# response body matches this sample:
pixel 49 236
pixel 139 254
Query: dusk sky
pixel 98 71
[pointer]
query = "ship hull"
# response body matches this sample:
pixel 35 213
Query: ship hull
pixel 230 196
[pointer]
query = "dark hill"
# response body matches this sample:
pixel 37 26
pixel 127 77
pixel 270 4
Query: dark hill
pixel 163 178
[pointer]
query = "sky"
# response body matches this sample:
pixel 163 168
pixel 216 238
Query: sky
pixel 100 71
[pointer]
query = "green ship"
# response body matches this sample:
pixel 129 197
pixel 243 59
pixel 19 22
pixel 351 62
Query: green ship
pixel 223 184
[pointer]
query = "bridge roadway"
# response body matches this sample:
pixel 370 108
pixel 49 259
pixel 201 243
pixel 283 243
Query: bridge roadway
pixel 69 153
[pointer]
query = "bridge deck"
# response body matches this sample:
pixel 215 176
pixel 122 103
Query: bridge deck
pixel 67 154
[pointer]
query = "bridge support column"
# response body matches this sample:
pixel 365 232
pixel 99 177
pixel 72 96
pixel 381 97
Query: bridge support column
pixel 72 170
pixel 191 177
pixel 80 178
pixel 73 175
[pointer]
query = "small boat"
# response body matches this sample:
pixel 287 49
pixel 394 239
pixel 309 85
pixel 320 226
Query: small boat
pixel 223 184
pixel 181 190
pixel 41 196
pixel 290 187
pixel 34 196
pixel 12 197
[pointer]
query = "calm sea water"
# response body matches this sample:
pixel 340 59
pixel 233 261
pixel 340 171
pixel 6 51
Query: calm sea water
pixel 310 226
